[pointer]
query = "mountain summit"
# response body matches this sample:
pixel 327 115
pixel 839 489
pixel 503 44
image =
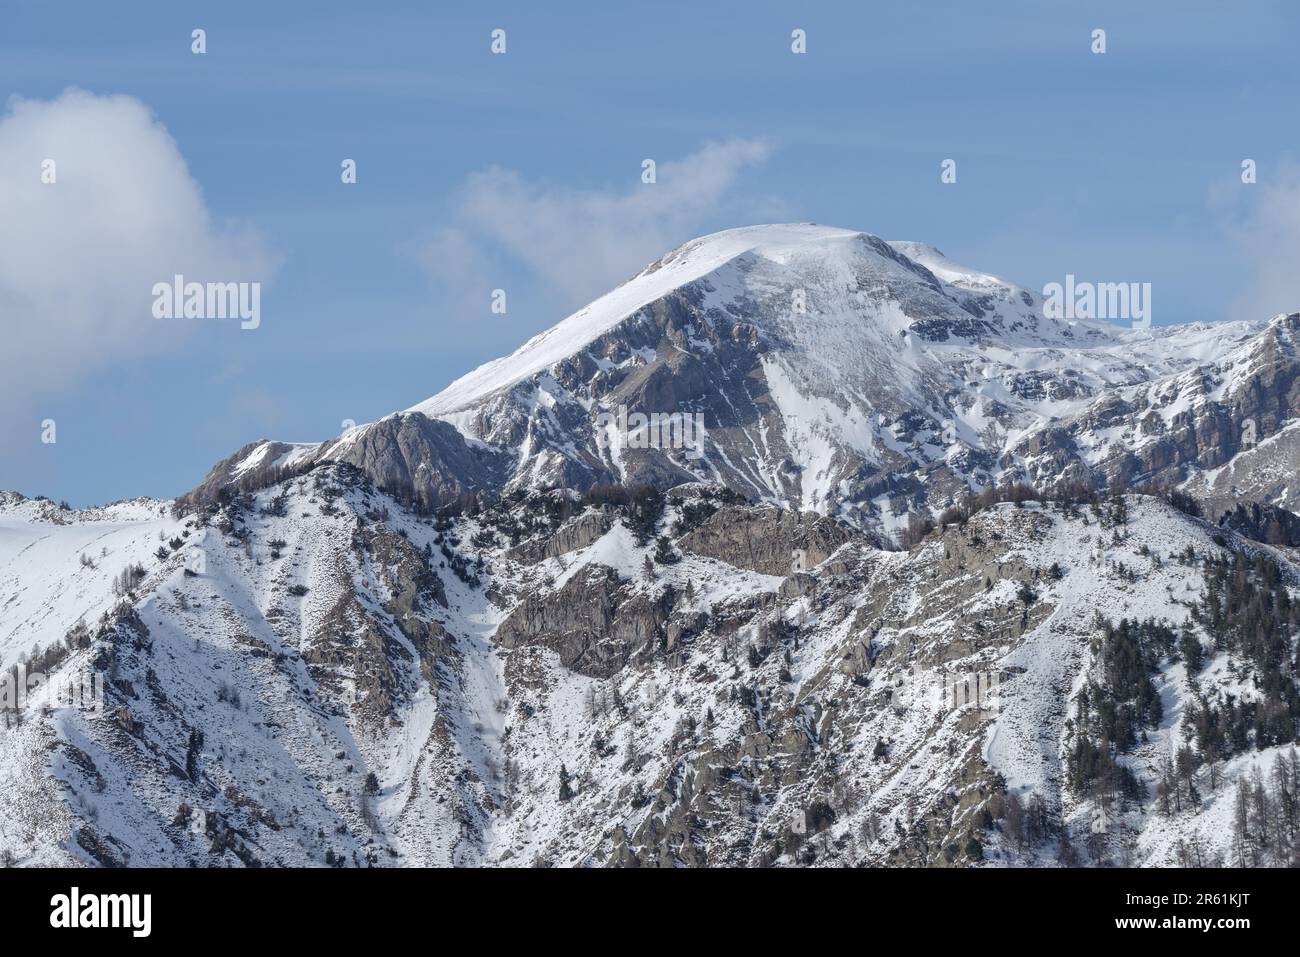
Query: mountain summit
pixel 835 372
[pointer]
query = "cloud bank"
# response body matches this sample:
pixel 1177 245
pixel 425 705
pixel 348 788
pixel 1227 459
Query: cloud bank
pixel 79 255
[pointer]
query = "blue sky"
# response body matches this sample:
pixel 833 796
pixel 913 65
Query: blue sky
pixel 1121 167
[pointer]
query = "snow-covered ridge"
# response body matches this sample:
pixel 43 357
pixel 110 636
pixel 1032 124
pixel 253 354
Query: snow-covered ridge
pixel 683 265
pixel 824 249
pixel 836 372
pixel 57 565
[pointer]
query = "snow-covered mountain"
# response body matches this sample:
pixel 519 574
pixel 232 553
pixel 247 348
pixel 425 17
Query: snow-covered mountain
pixel 838 373
pixel 492 629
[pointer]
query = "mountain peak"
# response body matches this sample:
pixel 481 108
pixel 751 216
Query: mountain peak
pixel 825 369
pixel 803 273
pixel 686 264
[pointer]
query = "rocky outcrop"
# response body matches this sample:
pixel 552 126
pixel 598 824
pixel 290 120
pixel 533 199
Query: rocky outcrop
pixel 594 622
pixel 569 537
pixel 766 540
pixel 350 648
pixel 425 460
pixel 235 470
pixel 414 585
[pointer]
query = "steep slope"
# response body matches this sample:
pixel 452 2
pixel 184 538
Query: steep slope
pixel 527 684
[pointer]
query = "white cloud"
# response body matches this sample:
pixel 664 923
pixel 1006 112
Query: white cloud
pixel 1269 241
pixel 78 259
pixel 577 243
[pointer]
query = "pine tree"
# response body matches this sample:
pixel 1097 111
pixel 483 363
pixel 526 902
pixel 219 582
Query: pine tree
pixel 664 553
pixel 192 750
pixel 1242 848
pixel 1189 647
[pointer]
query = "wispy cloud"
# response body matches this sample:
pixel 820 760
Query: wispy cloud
pixel 578 243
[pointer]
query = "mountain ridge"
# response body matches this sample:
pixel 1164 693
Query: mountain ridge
pixel 832 372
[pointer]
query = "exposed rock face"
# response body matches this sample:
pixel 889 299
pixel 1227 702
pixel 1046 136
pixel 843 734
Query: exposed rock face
pixel 1202 420
pixel 767 540
pixel 570 537
pixel 426 456
pixel 419 459
pixel 594 623
pixel 412 583
pixel 351 648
